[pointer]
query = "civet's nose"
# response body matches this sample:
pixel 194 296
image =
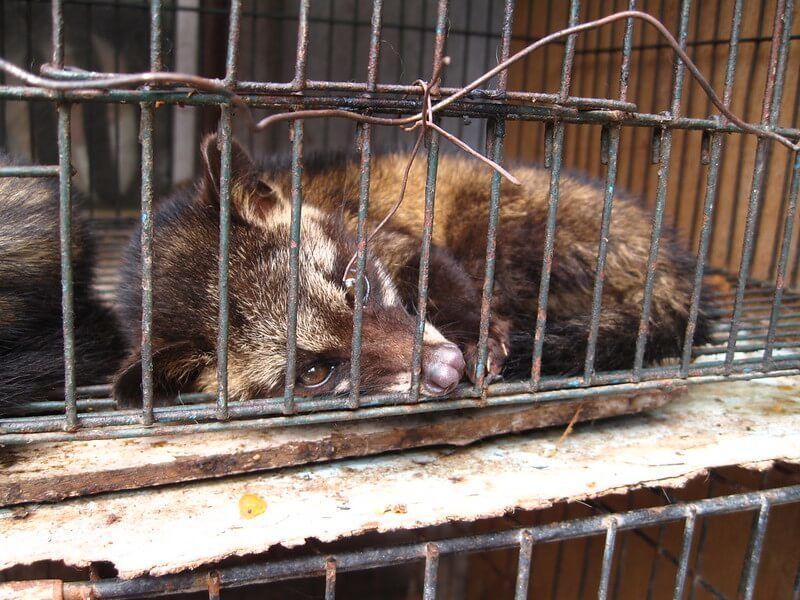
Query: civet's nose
pixel 442 370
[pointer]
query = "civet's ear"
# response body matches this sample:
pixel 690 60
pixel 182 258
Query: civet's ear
pixel 252 196
pixel 175 368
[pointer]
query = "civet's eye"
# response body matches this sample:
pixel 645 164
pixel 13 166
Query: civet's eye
pixel 350 291
pixel 316 375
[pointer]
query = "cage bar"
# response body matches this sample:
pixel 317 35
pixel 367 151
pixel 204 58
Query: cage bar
pixel 224 144
pixel 608 559
pixel 431 572
pixel 365 146
pixel 770 111
pixel 225 147
pixel 330 579
pixel 686 550
pixel 65 229
pixel 780 277
pixel 294 267
pixel 665 154
pixel 432 143
pixel 747 583
pixel 712 182
pixel 556 154
pixel 524 566
pixel 610 152
pixel 496 138
pixel 146 240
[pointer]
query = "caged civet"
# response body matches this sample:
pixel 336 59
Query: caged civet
pixel 31 338
pixel 185 280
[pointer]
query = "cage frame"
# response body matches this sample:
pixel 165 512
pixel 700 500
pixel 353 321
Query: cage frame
pixel 525 539
pixel 495 104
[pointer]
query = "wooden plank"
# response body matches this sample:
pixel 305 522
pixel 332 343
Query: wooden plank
pixel 177 527
pixel 47 472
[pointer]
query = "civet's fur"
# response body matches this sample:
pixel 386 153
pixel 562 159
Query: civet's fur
pixel 31 340
pixel 185 275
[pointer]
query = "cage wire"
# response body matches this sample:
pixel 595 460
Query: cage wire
pixel 755 337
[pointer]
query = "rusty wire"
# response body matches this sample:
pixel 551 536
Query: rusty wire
pixel 424 120
pixel 104 81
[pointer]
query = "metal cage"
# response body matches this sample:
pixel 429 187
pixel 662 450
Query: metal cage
pixel 643 544
pixel 759 313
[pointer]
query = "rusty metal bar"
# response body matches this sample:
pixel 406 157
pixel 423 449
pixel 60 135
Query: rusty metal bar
pixel 747 583
pixel 608 559
pixel 301 61
pixel 496 135
pixel 365 145
pixel 712 182
pixel 432 142
pixel 65 232
pixel 686 550
pixel 611 151
pixel 780 278
pixel 524 566
pixel 661 195
pixel 555 154
pixel 146 241
pixel 770 110
pixel 330 579
pixel 431 571
pixel 294 267
pixel 225 147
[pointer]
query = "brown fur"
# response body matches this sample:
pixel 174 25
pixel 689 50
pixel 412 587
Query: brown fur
pixel 187 234
pixel 31 341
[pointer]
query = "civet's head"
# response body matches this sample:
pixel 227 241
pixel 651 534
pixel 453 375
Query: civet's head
pixel 259 274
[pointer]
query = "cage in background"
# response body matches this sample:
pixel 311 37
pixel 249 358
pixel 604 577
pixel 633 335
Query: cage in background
pixel 613 102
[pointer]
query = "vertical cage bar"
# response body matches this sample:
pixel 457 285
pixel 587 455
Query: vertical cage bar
pixel 65 225
pixel 780 278
pixel 65 230
pixel 294 266
pixel 661 194
pixel 57 19
pixel 712 181
pixel 432 141
pixel 225 146
pixel 146 242
pixel 156 60
pixel 224 143
pixel 747 583
pixel 147 118
pixel 365 144
pixel 214 586
pixel 330 579
pixel 524 566
pixel 497 137
pixel 770 111
pixel 301 62
pixel 686 550
pixel 612 136
pixel 608 559
pixel 234 29
pixel 556 152
pixel 431 572
pixel 424 262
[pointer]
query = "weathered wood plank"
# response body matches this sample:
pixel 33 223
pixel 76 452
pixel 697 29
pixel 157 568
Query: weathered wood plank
pixel 48 472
